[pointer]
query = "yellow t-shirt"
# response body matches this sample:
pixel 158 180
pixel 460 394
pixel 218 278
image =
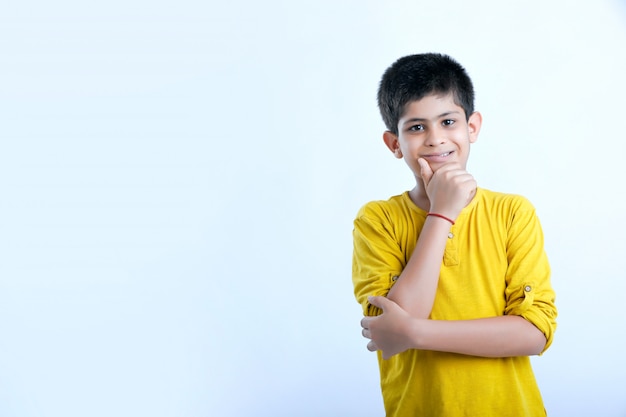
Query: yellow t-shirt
pixel 494 264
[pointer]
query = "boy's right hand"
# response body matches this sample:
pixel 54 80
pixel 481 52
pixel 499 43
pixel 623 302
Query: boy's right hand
pixel 449 189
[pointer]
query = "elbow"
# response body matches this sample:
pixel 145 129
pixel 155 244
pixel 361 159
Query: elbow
pixel 539 346
pixel 531 340
pixel 536 342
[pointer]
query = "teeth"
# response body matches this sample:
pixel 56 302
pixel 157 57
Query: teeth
pixel 445 154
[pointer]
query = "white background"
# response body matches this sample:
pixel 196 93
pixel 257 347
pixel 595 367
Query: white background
pixel 178 182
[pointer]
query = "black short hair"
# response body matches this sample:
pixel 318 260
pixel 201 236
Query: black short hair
pixel 413 77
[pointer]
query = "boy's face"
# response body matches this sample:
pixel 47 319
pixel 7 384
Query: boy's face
pixel 436 129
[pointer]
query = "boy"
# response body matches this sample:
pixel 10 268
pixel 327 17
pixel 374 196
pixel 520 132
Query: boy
pixel 453 279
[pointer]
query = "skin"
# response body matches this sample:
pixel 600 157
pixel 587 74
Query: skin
pixel 434 139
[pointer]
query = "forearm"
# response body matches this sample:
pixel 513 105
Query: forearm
pixel 502 336
pixel 415 289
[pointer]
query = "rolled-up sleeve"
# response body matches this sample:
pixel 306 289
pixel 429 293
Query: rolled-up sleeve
pixel 529 292
pixel 377 258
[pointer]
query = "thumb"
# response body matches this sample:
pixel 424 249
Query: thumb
pixel 426 171
pixel 380 302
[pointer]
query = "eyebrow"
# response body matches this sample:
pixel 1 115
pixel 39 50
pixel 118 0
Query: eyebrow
pixel 419 119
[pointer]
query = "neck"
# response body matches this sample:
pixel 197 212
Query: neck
pixel 419 197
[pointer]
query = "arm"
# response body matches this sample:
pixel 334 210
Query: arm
pixel 396 330
pixel 416 286
pixel 526 327
pixel 500 336
pixel 449 190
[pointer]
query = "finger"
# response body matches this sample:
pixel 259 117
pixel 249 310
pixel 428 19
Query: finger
pixel 378 301
pixel 426 171
pixel 366 333
pixel 457 177
pixel 371 346
pixel 466 180
pixel 451 170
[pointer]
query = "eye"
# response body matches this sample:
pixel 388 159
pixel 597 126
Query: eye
pixel 448 122
pixel 416 128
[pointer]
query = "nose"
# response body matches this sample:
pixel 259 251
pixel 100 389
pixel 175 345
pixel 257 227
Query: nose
pixel 435 137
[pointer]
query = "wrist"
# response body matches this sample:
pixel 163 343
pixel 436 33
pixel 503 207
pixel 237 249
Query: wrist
pixel 441 216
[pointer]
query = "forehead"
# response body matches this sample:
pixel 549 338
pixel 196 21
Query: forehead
pixel 431 106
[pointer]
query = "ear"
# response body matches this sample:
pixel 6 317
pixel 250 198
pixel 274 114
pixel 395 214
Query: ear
pixel 473 124
pixel 391 140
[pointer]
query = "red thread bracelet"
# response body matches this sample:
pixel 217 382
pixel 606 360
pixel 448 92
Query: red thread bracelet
pixel 441 216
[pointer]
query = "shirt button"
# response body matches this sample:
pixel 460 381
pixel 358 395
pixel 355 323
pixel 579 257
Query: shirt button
pixel 450 235
pixel 527 288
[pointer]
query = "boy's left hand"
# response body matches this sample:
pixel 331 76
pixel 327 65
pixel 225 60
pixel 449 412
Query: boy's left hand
pixel 389 332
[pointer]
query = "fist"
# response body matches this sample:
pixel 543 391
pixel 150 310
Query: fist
pixel 449 189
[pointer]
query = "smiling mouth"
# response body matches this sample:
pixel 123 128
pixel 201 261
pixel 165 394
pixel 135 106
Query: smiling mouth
pixel 440 155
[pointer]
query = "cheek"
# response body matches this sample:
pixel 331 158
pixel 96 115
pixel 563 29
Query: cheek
pixel 410 145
